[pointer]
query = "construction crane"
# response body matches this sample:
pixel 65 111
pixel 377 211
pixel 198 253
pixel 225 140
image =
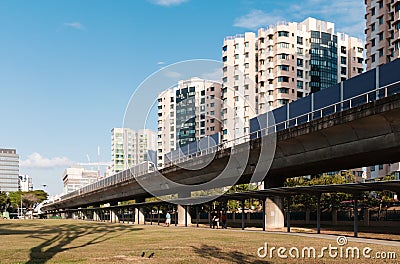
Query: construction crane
pixel 98 163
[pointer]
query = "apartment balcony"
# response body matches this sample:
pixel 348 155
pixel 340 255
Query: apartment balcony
pixel 396 35
pixel 396 16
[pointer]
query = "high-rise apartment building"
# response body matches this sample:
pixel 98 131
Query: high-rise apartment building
pixel 75 178
pixel 25 183
pixel 382 31
pixel 282 63
pixel 9 170
pixel 382 45
pixel 186 113
pixel 131 147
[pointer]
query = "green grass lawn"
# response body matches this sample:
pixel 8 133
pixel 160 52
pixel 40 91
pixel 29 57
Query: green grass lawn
pixel 73 241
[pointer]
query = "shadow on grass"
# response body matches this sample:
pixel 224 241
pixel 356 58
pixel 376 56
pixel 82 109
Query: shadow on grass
pixel 209 252
pixel 59 238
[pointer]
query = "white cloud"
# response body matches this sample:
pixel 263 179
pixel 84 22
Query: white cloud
pixel 160 63
pixel 256 19
pixel 172 74
pixel 75 25
pixel 168 2
pixel 348 15
pixel 35 160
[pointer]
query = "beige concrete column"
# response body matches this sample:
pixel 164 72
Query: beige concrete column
pixel 184 218
pixel 139 216
pixel 274 214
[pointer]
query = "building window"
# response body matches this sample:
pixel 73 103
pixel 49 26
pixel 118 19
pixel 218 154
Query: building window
pixel 380 4
pixel 283 90
pixel 397 45
pixel 380 36
pixel 236 56
pixel 283 79
pixel 283 67
pixel 283 56
pixel 380 52
pixel 300 51
pixel 283 101
pixel 373 42
pixel 373 58
pixel 224 59
pixel 300 84
pixel 283 45
pixel 343 70
pixel 225 48
pixel 299 74
pixel 300 62
pixel 373 27
pixel 373 11
pixel 343 60
pixel 283 34
pixel 380 20
pixel 300 40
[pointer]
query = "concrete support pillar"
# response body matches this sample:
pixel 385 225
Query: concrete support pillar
pixel 243 215
pixel 197 216
pixel 355 216
pixel 184 218
pixel 366 217
pixel 96 215
pixel 308 212
pixel 274 214
pixel 158 215
pixel 139 215
pixel 112 216
pixel 334 216
pixel 288 214
pixel 63 216
pixel 264 207
pixel 319 214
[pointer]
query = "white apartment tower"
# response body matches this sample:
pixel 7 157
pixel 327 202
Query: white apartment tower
pixel 186 113
pixel 282 63
pixel 131 147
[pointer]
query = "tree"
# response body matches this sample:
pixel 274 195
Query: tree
pixel 15 198
pixel 4 201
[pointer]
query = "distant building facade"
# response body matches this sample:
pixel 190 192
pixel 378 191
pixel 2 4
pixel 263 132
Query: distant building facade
pixel 131 147
pixel 25 183
pixel 75 178
pixel 186 113
pixel 9 170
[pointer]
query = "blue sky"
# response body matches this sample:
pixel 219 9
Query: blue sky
pixel 68 68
